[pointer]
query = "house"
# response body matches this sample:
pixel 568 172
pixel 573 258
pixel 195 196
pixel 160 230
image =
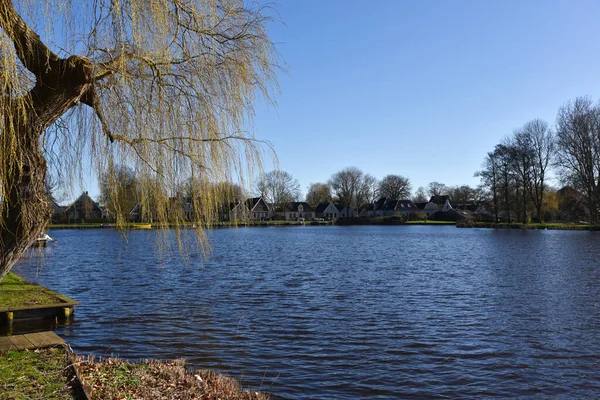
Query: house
pixel 326 210
pixel 135 215
pixel 298 209
pixel 83 209
pixel 58 212
pixel 435 204
pixel 430 208
pixel 346 212
pixel 181 207
pixel 439 200
pixel 258 209
pixel 237 211
pixel 386 207
pixel 447 206
pixel 400 207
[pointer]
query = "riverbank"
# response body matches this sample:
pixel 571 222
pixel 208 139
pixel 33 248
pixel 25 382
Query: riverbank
pixel 39 374
pixel 533 226
pixel 191 225
pixel 358 221
pixel 16 292
pixel 53 373
pixel 397 220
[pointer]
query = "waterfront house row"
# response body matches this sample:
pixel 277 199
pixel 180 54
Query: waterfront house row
pixel 84 209
pixel 258 209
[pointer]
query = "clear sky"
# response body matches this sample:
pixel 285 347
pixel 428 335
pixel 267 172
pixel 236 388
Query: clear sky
pixel 422 89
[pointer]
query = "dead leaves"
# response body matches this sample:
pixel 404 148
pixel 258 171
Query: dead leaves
pixel 114 379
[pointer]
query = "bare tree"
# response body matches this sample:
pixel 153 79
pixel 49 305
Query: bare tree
pixel 420 195
pixel 278 187
pixel 318 193
pixel 437 189
pixel 349 186
pixel 503 159
pixel 368 190
pixel 396 187
pixel 170 85
pixel 461 195
pixel 578 145
pixel 519 156
pixel 541 144
pixel 490 178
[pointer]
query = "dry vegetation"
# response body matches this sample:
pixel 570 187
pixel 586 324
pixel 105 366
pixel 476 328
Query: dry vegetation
pixel 116 379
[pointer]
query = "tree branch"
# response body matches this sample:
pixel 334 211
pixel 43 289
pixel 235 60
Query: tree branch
pixel 32 52
pixel 90 98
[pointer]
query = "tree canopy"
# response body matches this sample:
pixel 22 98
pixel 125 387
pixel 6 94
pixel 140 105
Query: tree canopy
pixel 278 188
pixel 395 187
pixel 165 87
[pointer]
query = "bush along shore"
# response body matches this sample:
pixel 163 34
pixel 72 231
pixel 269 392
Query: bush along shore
pixel 533 226
pixel 55 373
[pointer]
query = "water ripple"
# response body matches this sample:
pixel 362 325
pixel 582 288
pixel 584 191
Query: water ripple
pixel 346 312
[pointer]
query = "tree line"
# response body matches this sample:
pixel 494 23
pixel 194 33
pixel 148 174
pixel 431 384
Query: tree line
pixel 516 173
pixel 514 178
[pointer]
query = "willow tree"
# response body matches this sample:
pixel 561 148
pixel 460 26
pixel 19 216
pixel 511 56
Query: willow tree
pixel 166 87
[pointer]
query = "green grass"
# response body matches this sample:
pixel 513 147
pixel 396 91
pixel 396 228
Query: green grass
pixel 536 225
pixel 429 222
pixel 16 292
pixel 68 226
pixel 40 374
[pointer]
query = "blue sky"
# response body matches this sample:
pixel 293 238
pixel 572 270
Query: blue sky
pixel 422 89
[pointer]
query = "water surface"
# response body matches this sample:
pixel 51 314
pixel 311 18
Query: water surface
pixel 345 312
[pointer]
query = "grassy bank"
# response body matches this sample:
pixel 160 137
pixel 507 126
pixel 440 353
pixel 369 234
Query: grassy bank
pixel 39 374
pixel 429 222
pixel 395 220
pixel 537 226
pixel 191 225
pixel 48 374
pixel 16 292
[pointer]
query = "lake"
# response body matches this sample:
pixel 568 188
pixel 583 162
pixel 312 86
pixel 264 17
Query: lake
pixel 345 312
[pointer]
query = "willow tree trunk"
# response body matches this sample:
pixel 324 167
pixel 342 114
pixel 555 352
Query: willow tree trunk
pixel 24 209
pixel 59 85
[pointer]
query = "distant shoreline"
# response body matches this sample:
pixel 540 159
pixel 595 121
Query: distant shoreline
pixel 356 222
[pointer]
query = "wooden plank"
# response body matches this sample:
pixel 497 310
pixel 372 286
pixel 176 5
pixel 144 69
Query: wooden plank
pixel 44 306
pixel 5 344
pixel 50 338
pixel 36 339
pixel 20 342
pixel 29 341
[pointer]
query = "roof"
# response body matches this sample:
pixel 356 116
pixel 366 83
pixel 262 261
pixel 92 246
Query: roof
pixel 421 205
pixel 295 205
pixel 321 207
pixel 257 202
pixel 233 206
pixel 390 204
pixel 439 199
pixel 83 198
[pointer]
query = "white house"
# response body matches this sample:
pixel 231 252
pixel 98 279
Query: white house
pixel 326 210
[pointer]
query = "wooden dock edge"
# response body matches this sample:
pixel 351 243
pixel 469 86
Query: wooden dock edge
pixel 81 390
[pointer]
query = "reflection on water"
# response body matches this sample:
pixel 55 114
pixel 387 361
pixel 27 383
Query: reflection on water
pixel 346 312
